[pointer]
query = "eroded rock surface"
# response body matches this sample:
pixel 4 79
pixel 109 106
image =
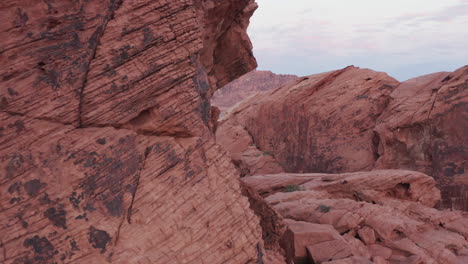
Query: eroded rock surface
pixel 383 216
pixel 106 145
pixel 424 128
pixel 358 119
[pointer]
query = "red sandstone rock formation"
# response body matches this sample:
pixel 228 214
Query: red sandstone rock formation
pixel 425 128
pixel 248 85
pixel 106 149
pixel 357 119
pixel 365 217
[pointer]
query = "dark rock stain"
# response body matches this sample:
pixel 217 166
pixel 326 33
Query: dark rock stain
pixel 75 199
pixel 89 207
pixel 19 125
pixel 52 22
pixel 21 18
pixel 452 169
pixel 122 56
pixel 12 92
pixel 43 249
pixel 33 187
pixel 83 216
pixel 205 110
pixel 57 217
pixel 101 141
pixel 24 224
pixel 4 103
pixel 161 148
pixel 23 260
pixel 15 200
pixel 148 151
pixel 115 206
pixel 51 77
pixel 147 36
pixel 45 199
pixel 98 238
pixel 74 245
pixel 15 187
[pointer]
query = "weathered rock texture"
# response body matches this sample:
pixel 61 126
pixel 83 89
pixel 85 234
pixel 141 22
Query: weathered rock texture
pixel 357 119
pixel 425 128
pixel 383 216
pixel 106 149
pixel 248 85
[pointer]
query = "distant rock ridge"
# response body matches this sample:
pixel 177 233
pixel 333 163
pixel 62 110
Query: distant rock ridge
pixel 248 85
pixel 358 120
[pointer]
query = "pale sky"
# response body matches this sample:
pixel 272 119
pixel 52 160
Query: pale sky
pixel 405 38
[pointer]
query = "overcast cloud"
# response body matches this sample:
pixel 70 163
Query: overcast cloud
pixel 405 38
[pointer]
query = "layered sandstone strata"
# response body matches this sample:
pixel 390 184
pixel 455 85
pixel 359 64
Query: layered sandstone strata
pixel 107 152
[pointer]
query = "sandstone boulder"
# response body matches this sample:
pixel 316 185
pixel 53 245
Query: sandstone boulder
pixel 321 242
pixel 391 222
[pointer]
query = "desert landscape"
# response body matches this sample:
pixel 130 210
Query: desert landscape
pixel 141 132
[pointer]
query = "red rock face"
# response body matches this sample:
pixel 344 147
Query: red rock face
pixel 425 128
pixel 106 145
pixel 357 119
pixel 320 123
pixel 382 216
pixel 248 85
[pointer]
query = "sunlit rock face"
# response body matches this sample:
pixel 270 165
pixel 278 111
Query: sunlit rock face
pixel 107 152
pixel 358 119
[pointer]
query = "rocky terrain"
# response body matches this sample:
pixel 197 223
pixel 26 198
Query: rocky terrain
pixel 106 147
pixel 248 85
pixel 110 151
pixel 380 217
pixel 358 120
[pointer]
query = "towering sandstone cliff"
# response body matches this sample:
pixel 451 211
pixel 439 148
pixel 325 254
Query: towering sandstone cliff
pixel 106 145
pixel 357 120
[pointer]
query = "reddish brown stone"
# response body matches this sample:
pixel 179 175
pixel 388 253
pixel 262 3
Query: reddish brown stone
pixel 365 207
pixel 357 119
pixel 425 129
pixel 107 153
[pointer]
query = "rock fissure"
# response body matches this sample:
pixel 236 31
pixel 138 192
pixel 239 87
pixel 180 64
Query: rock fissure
pixel 94 43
